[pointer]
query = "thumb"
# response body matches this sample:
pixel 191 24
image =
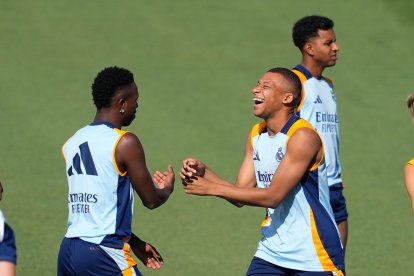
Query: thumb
pixel 170 169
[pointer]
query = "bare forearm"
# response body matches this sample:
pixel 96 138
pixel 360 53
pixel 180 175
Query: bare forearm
pixel 211 176
pixel 246 196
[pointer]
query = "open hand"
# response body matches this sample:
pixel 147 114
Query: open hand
pixel 148 255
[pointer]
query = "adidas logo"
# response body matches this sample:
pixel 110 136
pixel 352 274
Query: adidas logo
pixel 256 156
pixel 85 157
pixel 318 100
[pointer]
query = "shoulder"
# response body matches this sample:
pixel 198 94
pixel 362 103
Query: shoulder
pixel 303 135
pixel 302 125
pixel 300 75
pixel 256 130
pixel 329 81
pixel 128 139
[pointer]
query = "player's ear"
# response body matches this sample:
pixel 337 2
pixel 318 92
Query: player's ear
pixel 308 48
pixel 122 102
pixel 288 98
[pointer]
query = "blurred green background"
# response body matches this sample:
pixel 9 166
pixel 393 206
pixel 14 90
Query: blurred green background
pixel 195 63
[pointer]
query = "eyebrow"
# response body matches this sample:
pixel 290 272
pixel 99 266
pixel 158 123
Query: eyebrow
pixel 265 82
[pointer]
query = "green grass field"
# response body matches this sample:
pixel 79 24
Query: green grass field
pixel 195 63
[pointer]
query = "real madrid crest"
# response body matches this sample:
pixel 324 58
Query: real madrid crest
pixel 279 155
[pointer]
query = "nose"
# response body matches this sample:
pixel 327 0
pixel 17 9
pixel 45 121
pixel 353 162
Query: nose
pixel 256 89
pixel 335 47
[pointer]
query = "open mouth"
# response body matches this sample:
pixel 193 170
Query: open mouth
pixel 258 100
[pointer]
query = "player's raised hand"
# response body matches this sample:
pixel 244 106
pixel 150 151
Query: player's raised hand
pixel 164 179
pixel 192 167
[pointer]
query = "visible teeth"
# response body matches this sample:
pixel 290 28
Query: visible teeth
pixel 258 100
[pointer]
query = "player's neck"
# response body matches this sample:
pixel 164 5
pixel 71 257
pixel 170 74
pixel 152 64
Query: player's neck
pixel 314 68
pixel 277 122
pixel 103 115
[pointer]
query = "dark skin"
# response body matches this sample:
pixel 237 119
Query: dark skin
pixel 130 158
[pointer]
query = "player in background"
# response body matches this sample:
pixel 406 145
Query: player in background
pixel 409 167
pixel 8 256
pixel 316 40
pixel 284 171
pixel 104 165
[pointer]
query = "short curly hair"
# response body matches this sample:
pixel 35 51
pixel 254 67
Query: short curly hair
pixel 308 27
pixel 107 82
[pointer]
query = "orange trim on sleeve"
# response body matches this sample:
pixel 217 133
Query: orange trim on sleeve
pixel 121 134
pixel 301 123
pixel 302 78
pixel 329 81
pixel 62 152
pixel 256 129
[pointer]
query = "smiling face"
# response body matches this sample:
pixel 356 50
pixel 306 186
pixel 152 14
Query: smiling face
pixel 323 48
pixel 270 96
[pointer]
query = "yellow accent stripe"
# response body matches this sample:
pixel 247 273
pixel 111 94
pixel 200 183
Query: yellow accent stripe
pixel 323 256
pixel 130 261
pixel 328 80
pixel 257 129
pixel 265 221
pixel 301 123
pixel 63 153
pixel 121 133
pixel 411 162
pixel 302 78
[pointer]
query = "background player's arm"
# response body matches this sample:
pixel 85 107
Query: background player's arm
pixel 409 182
pixel 130 157
pixel 303 149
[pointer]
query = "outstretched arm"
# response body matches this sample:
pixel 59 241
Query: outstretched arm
pixel 130 158
pixel 303 150
pixel 193 168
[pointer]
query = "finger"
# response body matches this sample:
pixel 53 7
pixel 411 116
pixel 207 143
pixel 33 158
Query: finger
pixel 159 175
pixel 153 263
pixel 185 174
pixel 189 162
pixel 159 259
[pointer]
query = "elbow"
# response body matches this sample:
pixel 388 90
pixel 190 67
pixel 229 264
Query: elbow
pixel 239 205
pixel 158 200
pixel 272 203
pixel 152 205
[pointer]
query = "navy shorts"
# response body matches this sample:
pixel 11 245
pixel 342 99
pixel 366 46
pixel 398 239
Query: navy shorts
pixel 260 267
pixel 78 257
pixel 338 203
pixel 7 245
